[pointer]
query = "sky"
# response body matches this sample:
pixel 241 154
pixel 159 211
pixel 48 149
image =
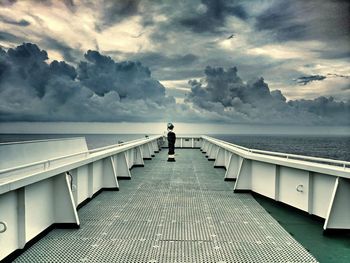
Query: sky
pixel 259 62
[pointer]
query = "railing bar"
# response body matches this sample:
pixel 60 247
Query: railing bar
pixel 65 156
pixel 286 155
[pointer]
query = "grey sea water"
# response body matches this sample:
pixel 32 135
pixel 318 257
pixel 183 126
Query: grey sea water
pixel 334 147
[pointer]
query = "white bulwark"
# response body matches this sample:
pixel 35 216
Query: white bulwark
pixel 42 183
pixel 318 186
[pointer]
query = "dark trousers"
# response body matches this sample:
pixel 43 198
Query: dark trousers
pixel 171 149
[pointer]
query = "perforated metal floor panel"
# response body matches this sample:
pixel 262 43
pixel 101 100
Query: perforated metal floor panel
pixel 171 212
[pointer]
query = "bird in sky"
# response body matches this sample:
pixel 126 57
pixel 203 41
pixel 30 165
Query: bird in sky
pixel 231 36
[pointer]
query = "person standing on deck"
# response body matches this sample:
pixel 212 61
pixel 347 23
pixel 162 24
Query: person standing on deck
pixel 171 143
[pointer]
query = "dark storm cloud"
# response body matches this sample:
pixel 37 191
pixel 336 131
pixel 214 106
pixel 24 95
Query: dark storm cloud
pixel 131 80
pixel 173 64
pixel 99 89
pixel 281 20
pixel 325 109
pixel 305 20
pixel 114 12
pixel 174 67
pixel 167 67
pixel 213 16
pixel 307 79
pixel 11 21
pixel 159 60
pixel 10 37
pixel 70 54
pixel 178 74
pixel 7 2
pixel 153 59
pixel 224 92
pixel 333 54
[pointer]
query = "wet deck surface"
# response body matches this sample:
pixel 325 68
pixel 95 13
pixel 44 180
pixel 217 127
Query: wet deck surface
pixel 171 212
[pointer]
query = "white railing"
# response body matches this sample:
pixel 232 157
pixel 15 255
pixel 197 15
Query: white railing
pixel 318 186
pixel 183 141
pixel 37 193
pixel 288 155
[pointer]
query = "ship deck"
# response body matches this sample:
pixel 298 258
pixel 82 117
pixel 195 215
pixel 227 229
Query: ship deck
pixel 179 211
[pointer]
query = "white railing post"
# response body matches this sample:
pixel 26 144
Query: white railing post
pixel 233 167
pixel 109 174
pixel 150 149
pixel 64 205
pixel 338 215
pixel 244 176
pixel 138 157
pixel 220 158
pixel 213 152
pixel 208 150
pixel 146 152
pixel 122 169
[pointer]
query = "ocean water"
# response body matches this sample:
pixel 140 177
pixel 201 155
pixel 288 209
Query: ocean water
pixel 334 147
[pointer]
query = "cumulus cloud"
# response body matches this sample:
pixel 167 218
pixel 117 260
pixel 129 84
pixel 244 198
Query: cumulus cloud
pixel 225 93
pixel 280 40
pixel 98 89
pixel 102 89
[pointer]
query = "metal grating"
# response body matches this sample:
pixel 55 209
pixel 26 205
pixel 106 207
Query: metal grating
pixel 171 212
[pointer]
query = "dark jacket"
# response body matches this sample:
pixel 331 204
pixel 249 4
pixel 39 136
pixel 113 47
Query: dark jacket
pixel 171 138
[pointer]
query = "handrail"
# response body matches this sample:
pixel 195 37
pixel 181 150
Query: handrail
pixel 114 145
pixel 69 155
pixel 286 155
pixel 41 162
pixel 296 156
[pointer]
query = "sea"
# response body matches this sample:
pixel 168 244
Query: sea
pixel 327 146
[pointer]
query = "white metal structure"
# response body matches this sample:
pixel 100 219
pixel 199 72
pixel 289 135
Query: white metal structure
pixel 42 183
pixel 317 188
pixel 186 142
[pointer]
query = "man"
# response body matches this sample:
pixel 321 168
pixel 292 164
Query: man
pixel 171 143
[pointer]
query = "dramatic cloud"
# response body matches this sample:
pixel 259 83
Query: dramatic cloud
pixel 100 89
pixel 116 11
pixel 281 40
pixel 9 37
pixel 325 109
pixel 211 15
pixel 297 20
pixel 224 92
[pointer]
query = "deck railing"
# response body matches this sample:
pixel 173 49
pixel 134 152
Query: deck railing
pixel 318 186
pixel 42 183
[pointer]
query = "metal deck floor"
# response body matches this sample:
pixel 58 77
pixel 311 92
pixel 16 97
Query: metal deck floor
pixel 171 212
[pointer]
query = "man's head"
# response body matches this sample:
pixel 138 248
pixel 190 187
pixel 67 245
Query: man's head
pixel 170 126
